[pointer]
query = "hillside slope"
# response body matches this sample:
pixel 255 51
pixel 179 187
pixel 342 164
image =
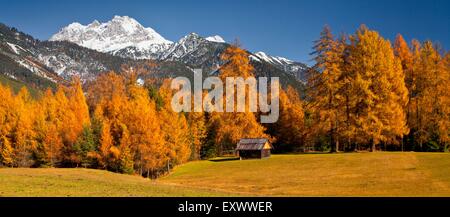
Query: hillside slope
pixel 87 182
pixel 350 174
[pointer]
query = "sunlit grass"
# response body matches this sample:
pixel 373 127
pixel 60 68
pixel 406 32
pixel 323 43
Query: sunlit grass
pixel 348 174
pixel 87 182
pixel 352 174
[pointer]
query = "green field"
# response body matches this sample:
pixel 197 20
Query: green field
pixel 349 174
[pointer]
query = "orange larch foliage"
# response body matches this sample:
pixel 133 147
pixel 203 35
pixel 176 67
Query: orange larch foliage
pixel 229 127
pixel 379 89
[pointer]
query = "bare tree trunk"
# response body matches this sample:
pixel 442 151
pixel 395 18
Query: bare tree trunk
pixel 331 130
pixel 402 145
pixel 347 112
pixel 168 166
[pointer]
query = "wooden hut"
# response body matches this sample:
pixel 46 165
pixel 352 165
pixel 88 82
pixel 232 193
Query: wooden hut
pixel 253 148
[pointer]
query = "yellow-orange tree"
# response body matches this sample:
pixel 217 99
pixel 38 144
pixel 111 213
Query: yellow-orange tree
pixel 289 130
pixel 108 99
pixel 75 119
pixel 197 132
pixel 325 87
pixel 429 92
pixel 6 109
pixel 404 54
pixel 16 131
pixel 379 90
pixel 143 125
pixel 175 130
pixel 229 127
pixel 48 124
pixel 135 135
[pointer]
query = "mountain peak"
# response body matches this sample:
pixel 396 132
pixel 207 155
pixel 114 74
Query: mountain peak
pixel 118 33
pixel 75 25
pixel 294 68
pixel 273 59
pixel 118 17
pixel 125 37
pixel 190 38
pixel 129 24
pixel 95 23
pixel 215 38
pixel 192 34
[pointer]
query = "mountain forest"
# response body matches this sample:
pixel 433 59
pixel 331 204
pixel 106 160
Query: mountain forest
pixel 363 93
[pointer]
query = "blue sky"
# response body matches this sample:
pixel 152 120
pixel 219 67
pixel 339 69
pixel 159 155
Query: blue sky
pixel 282 27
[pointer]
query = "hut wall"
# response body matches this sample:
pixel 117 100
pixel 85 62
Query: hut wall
pixel 265 153
pixel 250 153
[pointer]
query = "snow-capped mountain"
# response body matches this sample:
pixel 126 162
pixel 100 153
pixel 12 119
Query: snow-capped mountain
pixel 294 68
pixel 121 36
pixel 215 38
pixel 18 59
pixel 20 56
pixel 43 62
pixel 125 37
pixel 87 50
pixel 185 45
pixel 196 52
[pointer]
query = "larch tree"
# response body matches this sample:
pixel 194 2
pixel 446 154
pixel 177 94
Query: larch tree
pixel 430 100
pixel 6 152
pixel 77 103
pixel 125 163
pixel 10 119
pixel 16 128
pixel 289 130
pixel 198 132
pixel 108 101
pixel 444 102
pixel 77 117
pixel 175 129
pixel 229 127
pixel 47 126
pixel 23 134
pixel 104 88
pixel 6 107
pixel 106 143
pixel 67 121
pixel 404 54
pixel 379 86
pixel 325 86
pixel 144 129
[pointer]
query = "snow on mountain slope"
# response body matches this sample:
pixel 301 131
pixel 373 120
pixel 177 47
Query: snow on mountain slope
pixel 294 68
pixel 215 38
pixel 185 45
pixel 125 37
pixel 16 48
pixel 19 64
pixel 196 52
pixel 120 34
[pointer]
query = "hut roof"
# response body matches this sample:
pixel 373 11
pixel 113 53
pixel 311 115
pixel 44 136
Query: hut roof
pixel 252 144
